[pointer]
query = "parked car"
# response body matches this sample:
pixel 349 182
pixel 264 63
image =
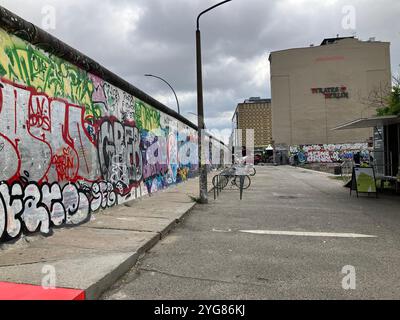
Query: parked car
pixel 257 158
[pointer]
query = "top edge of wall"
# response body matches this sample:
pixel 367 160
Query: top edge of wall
pixel 31 33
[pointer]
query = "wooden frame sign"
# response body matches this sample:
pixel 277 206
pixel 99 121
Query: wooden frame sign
pixel 363 180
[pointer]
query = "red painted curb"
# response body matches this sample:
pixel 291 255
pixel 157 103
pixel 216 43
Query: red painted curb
pixel 15 291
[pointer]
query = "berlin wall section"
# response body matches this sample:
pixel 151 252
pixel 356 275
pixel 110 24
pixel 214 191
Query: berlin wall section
pixel 73 143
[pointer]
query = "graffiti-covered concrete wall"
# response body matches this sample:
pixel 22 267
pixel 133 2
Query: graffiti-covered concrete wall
pixel 329 153
pixel 72 143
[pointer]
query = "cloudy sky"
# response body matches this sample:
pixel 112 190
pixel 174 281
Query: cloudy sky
pixel 134 37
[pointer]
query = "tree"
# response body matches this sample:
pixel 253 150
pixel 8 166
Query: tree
pixel 375 100
pixel 392 101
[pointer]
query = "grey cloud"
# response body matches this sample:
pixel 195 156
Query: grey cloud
pixel 234 37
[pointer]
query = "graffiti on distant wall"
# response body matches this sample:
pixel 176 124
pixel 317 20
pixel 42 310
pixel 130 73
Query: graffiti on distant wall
pixel 72 144
pixel 329 153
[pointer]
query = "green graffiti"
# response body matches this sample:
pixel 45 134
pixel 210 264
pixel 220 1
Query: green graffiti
pixel 20 62
pixel 147 118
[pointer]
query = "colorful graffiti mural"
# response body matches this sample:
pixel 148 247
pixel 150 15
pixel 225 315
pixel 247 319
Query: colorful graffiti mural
pixel 72 144
pixel 329 153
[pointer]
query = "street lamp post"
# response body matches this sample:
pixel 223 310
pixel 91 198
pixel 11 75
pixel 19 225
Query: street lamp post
pixel 200 111
pixel 177 102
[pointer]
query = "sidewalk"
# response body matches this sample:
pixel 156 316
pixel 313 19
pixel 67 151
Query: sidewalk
pixel 91 257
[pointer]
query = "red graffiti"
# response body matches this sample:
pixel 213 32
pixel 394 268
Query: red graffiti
pixel 39 113
pixel 65 165
pixel 44 139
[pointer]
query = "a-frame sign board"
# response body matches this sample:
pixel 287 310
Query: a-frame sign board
pixel 363 181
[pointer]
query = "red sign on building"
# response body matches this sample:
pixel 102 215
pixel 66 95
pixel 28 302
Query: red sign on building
pixel 332 92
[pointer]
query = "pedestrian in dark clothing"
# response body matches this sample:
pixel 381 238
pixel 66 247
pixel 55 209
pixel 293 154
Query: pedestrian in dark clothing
pixel 357 159
pixel 296 159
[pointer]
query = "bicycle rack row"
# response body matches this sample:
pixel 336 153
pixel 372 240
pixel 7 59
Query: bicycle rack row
pixel 221 180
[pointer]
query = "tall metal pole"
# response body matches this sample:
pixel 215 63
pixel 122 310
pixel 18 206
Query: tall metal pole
pixel 200 112
pixel 176 97
pixel 200 116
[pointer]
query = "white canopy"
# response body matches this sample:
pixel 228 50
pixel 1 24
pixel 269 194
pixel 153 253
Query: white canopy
pixel 369 122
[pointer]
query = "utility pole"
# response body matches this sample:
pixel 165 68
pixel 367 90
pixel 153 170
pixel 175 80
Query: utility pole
pixel 200 111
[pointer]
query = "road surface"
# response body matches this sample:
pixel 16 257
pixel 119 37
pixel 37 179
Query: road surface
pixel 297 234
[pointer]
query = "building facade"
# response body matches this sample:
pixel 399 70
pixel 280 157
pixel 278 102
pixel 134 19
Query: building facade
pixel 315 89
pixel 253 113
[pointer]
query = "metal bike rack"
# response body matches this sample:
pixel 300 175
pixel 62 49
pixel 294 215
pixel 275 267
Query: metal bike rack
pixel 230 174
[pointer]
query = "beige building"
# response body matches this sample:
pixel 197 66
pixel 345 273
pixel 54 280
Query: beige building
pixel 315 89
pixel 254 113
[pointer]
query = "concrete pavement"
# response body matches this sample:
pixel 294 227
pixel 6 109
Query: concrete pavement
pixel 210 257
pixel 91 257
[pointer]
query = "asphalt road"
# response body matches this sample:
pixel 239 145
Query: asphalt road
pixel 210 257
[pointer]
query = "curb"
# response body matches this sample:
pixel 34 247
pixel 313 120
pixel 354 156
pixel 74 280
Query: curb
pixel 96 290
pixel 104 280
pixel 315 171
